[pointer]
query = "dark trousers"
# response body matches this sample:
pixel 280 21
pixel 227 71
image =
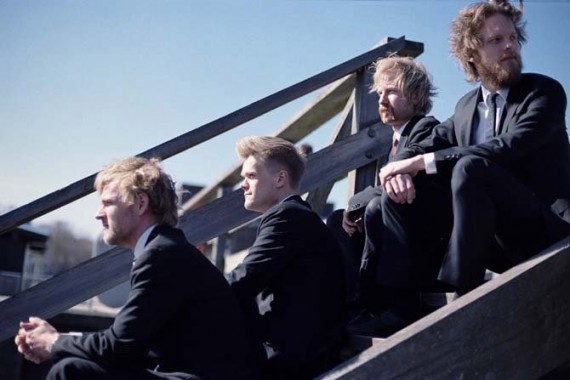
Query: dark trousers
pixel 498 223
pixel 82 369
pixel 351 248
pixel 405 243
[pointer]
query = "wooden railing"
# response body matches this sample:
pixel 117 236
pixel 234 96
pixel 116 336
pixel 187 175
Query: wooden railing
pixel 348 83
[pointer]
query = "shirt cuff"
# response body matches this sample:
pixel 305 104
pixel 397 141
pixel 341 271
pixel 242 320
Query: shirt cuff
pixel 429 163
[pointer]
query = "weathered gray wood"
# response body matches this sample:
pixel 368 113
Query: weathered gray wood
pixel 219 245
pixel 207 131
pixel 365 115
pixel 516 326
pixel 362 342
pixel 109 269
pixel 318 197
pixel 65 290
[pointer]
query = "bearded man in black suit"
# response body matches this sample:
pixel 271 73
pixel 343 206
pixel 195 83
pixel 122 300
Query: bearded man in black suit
pixel 181 319
pixel 384 305
pixel 506 149
pixel 291 283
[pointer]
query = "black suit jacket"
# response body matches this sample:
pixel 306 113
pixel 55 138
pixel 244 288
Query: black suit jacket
pixel 292 285
pixel 532 142
pixel 418 129
pixel 180 311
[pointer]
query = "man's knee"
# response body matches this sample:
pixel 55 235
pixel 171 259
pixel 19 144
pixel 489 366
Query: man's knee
pixel 373 209
pixel 468 169
pixel 72 368
pixel 334 220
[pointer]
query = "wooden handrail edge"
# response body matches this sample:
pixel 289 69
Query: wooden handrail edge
pixel 203 133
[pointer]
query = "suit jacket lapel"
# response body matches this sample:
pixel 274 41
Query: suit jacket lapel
pixel 465 121
pixel 511 104
pixel 403 142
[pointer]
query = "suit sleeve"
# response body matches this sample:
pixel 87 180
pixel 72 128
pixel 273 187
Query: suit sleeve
pixel 422 130
pixel 270 253
pixel 538 118
pixel 153 300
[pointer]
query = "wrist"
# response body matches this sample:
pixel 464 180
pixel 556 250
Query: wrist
pixel 52 342
pixel 419 162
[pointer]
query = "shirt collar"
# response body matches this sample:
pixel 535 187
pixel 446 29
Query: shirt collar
pixel 503 93
pixel 141 242
pixel 398 133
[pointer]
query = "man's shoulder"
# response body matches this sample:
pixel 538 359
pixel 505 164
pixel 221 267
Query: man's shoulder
pixel 424 121
pixel 168 241
pixel 294 204
pixel 536 77
pixel 293 209
pixel 534 81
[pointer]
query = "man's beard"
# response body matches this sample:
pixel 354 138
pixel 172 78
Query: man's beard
pixel 386 115
pixel 501 76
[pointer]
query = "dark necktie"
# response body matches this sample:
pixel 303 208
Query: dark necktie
pixel 490 130
pixel 394 148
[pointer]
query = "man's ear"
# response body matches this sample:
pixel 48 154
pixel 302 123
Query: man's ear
pixel 141 203
pixel 281 179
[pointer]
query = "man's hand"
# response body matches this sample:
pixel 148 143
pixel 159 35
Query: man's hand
pixel 410 166
pixel 349 226
pixel 35 338
pixel 400 189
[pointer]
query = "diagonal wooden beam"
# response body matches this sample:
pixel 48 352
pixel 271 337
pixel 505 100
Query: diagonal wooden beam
pixel 207 131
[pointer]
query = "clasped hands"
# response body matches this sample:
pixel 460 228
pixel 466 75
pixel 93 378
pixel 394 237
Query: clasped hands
pixel 396 179
pixel 35 338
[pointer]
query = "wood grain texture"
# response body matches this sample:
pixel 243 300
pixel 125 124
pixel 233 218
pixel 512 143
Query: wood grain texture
pixel 516 326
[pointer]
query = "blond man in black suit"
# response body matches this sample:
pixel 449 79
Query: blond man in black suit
pixel 181 320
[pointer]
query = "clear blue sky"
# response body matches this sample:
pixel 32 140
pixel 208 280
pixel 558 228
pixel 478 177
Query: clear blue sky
pixel 83 83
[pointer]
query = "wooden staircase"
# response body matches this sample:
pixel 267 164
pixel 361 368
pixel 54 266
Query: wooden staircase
pixel 515 326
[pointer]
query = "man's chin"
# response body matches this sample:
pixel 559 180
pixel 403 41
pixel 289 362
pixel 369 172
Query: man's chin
pixel 109 239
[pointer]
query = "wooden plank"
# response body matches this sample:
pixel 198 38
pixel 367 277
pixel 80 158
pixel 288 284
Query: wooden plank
pixel 318 197
pixel 365 115
pixel 516 326
pixel 362 342
pixel 111 268
pixel 203 133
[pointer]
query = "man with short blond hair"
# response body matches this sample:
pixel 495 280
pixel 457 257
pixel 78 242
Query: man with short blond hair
pixel 291 283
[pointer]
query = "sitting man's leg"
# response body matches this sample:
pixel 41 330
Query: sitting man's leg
pixel 75 368
pixel 405 250
pixel 351 246
pixel 494 214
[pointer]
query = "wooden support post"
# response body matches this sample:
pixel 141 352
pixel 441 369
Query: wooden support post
pixel 219 246
pixel 365 115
